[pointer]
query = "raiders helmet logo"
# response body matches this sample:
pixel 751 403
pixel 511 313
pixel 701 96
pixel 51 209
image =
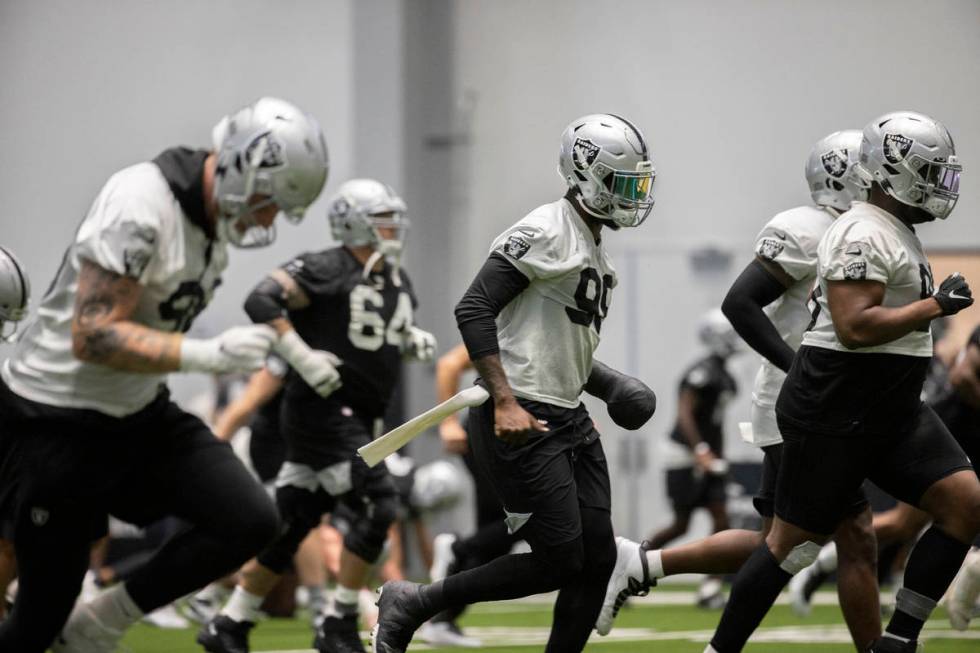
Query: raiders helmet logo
pixel 341 207
pixel 856 270
pixel 896 147
pixel 834 163
pixel 272 156
pixel 584 153
pixel 516 247
pixel 770 248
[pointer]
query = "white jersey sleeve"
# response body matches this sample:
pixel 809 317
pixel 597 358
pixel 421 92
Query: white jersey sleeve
pixel 539 247
pixel 790 240
pixel 858 251
pixel 121 233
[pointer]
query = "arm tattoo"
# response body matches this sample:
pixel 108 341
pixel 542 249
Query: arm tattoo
pixel 103 333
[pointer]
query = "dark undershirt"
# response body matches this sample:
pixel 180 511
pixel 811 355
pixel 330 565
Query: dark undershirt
pixel 496 285
pixel 183 168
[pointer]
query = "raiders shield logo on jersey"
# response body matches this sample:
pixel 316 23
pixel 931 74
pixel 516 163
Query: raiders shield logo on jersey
pixel 856 270
pixel 516 247
pixel 770 248
pixel 834 163
pixel 584 153
pixel 896 147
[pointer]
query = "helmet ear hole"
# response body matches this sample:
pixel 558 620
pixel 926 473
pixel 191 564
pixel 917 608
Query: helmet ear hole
pixel 837 185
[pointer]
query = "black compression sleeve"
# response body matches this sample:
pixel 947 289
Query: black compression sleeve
pixel 755 289
pixel 496 285
pixel 266 302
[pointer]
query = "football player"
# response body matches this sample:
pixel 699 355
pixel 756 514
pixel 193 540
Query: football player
pixel 850 406
pixel 705 390
pixel 531 321
pixel 87 427
pixel 345 321
pixel 767 307
pixel 15 294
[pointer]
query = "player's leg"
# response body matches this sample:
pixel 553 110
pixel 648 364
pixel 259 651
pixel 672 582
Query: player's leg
pixel 580 597
pixel 681 490
pixel 536 484
pixel 311 572
pixel 709 593
pixel 926 467
pixel 300 502
pixel 374 491
pixel 857 577
pixel 817 476
pixel 52 550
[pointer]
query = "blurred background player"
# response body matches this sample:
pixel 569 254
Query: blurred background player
pixel 705 390
pixel 87 427
pixel 345 321
pixel 767 307
pixel 15 295
pixel 531 321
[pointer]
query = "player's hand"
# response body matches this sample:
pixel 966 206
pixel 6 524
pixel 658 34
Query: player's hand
pixel 705 460
pixel 315 366
pixel 418 344
pixel 453 437
pixel 239 349
pixel 513 424
pixel 953 294
pixel 319 370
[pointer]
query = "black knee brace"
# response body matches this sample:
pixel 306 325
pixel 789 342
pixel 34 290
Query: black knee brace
pixel 366 537
pixel 301 511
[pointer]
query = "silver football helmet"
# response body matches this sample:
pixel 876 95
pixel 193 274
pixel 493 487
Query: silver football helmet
pixel 913 159
pixel 718 334
pixel 15 293
pixel 605 159
pixel 361 208
pixel 269 148
pixel 830 170
pixel 438 485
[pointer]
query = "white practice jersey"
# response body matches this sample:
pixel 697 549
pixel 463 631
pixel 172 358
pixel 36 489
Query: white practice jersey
pixel 135 228
pixel 869 243
pixel 790 240
pixel 547 335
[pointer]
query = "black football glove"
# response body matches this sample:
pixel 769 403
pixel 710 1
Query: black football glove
pixel 629 402
pixel 954 294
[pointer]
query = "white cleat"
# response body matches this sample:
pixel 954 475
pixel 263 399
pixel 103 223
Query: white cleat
pixel 447 633
pixel 961 598
pixel 798 599
pixel 442 556
pixel 84 633
pixel 630 577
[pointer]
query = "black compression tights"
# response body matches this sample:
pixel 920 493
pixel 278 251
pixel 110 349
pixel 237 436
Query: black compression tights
pixel 578 569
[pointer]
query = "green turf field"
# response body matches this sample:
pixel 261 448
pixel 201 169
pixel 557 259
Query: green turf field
pixel 657 625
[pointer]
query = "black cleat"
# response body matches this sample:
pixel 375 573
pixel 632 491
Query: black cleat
pixel 225 635
pixel 401 610
pixel 892 645
pixel 338 634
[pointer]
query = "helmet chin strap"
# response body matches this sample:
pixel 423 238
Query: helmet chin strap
pixel 604 219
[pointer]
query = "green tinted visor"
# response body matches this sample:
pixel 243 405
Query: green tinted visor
pixel 632 186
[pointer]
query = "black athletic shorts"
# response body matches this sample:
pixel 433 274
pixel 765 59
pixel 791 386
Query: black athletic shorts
pixel 266 449
pixel 321 432
pixel 765 500
pixel 688 489
pixel 76 465
pixel 820 473
pixel 544 483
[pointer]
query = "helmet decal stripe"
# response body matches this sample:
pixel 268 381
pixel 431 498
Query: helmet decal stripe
pixel 643 143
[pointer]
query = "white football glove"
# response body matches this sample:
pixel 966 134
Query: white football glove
pixel 418 345
pixel 317 367
pixel 239 349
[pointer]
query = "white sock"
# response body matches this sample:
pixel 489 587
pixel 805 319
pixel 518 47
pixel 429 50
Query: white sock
pixel 710 649
pixel 827 558
pixel 345 599
pixel 655 564
pixel 967 587
pixel 243 605
pixel 115 609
